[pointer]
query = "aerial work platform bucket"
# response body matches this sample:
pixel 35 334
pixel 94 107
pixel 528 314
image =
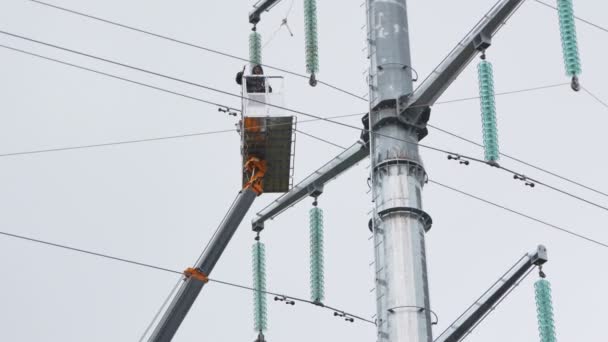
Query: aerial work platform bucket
pixel 265 134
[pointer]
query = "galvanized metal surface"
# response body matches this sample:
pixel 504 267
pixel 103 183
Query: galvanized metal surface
pixel 397 179
pixel 388 37
pixel 189 290
pixel 448 70
pixel 464 324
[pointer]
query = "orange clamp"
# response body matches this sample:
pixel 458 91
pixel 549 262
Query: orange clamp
pixel 195 273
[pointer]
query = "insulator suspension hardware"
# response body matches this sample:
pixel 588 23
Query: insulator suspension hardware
pixel 567 28
pixel 255 48
pixel 284 300
pixel 524 179
pixel 259 285
pixel 544 309
pixel 344 315
pixel 488 110
pixel 227 111
pixel 460 160
pixel 312 43
pixel 317 278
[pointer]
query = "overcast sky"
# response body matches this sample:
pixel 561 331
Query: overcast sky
pixel 159 202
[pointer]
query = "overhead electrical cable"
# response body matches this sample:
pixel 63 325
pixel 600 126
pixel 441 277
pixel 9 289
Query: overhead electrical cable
pixel 529 217
pixel 603 103
pixel 168 270
pixel 118 77
pixel 182 42
pixel 577 17
pixel 213 89
pixel 457 136
pixel 327 84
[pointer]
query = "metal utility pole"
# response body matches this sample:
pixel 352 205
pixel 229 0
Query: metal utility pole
pixel 398 175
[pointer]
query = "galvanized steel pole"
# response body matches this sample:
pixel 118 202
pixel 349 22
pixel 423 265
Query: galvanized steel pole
pixel 399 224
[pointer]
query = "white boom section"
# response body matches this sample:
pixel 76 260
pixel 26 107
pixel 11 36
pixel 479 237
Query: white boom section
pixel 458 330
pixel 448 70
pixel 313 183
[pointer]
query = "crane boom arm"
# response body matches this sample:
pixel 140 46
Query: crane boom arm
pixel 259 8
pixel 449 69
pixel 458 330
pixel 191 287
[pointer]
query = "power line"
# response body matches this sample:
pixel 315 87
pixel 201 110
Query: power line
pixel 578 18
pixel 564 230
pixel 182 42
pixel 510 210
pixel 171 137
pixel 295 111
pixel 158 268
pixel 520 161
pixel 596 98
pixel 118 77
pixel 327 84
pixel 320 139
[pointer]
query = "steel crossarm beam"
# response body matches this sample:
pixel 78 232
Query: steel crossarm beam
pixel 458 330
pixel 313 183
pixel 478 39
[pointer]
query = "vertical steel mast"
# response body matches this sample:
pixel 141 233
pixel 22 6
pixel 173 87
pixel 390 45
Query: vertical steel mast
pixel 399 224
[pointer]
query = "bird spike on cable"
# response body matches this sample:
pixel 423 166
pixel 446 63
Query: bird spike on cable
pixel 317 287
pixel 488 111
pixel 259 285
pixel 569 43
pixel 312 43
pixel 255 48
pixel 544 310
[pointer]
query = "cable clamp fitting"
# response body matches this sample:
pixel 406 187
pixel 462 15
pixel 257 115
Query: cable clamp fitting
pixel 195 273
pixel 459 158
pixel 525 179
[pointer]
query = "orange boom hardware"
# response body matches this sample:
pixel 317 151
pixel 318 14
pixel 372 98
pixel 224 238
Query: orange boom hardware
pixel 195 273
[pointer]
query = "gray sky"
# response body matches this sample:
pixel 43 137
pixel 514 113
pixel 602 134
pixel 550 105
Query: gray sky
pixel 159 202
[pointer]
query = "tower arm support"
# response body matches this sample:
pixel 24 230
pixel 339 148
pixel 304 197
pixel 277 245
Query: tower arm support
pixel 313 183
pixel 192 286
pixel 449 69
pixel 458 330
pixel 259 8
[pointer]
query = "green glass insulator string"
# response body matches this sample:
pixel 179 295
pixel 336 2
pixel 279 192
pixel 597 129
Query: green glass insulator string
pixel 488 111
pixel 317 279
pixel 255 48
pixel 311 43
pixel 259 285
pixel 567 28
pixel 544 310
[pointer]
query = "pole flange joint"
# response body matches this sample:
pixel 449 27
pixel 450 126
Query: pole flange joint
pixel 424 218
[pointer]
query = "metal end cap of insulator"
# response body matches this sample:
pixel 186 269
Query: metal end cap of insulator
pixel 576 85
pixel 260 338
pixel 313 80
